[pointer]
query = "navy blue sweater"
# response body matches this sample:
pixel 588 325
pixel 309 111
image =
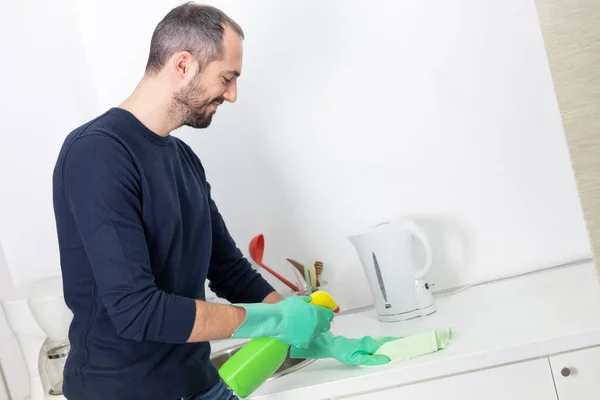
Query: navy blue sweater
pixel 138 235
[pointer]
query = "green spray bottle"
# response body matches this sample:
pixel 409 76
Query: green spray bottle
pixel 258 359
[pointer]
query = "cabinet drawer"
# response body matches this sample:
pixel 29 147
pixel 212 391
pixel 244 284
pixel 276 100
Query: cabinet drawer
pixel 529 380
pixel 577 374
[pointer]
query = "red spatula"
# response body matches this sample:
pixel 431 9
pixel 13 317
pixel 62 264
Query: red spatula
pixel 257 251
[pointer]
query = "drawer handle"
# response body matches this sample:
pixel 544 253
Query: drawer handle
pixel 565 372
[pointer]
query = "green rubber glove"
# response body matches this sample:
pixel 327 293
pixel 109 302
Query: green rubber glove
pixel 345 350
pixel 292 320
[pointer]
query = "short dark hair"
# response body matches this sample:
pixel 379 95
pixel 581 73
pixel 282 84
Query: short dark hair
pixel 190 27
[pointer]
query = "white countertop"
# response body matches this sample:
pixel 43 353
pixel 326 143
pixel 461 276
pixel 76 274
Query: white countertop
pixel 517 319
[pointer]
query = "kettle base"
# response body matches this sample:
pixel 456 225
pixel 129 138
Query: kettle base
pixel 422 312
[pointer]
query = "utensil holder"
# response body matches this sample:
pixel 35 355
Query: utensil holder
pixel 303 290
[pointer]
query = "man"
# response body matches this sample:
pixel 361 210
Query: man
pixel 139 234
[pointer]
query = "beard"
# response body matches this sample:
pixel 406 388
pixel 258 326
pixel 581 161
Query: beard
pixel 191 106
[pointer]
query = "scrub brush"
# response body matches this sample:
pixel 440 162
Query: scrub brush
pixel 319 269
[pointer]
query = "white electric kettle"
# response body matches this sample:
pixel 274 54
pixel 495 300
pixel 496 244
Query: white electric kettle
pixel 387 253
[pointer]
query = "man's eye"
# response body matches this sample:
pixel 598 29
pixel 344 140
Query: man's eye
pixel 226 81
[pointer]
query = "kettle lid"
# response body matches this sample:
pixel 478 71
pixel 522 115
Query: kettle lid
pixel 385 226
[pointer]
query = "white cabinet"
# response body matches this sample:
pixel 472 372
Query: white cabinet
pixel 529 380
pixel 569 376
pixel 577 374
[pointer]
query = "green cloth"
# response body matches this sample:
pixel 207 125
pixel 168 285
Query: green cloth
pixel 416 345
pixel 370 351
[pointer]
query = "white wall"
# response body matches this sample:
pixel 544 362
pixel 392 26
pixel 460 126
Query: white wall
pixel 350 113
pixel 3 388
pixel 364 113
pixel 44 96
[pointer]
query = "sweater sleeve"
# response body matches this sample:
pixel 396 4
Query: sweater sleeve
pixel 230 274
pixel 103 191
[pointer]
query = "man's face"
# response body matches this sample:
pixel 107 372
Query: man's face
pixel 198 101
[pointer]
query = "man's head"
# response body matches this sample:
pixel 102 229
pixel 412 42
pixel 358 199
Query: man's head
pixel 196 50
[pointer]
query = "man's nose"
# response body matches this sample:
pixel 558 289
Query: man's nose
pixel 230 94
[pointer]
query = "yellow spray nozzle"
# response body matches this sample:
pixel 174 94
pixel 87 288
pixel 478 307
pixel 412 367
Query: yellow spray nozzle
pixel 321 298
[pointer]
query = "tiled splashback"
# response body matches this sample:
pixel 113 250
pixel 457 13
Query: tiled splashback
pixel 571 31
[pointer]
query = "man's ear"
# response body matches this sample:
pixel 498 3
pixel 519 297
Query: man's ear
pixel 183 64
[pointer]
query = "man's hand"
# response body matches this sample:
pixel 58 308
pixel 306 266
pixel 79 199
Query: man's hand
pixel 292 320
pixel 219 321
pixel 347 351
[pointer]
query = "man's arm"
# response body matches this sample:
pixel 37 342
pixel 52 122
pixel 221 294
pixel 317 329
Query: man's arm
pixel 272 298
pixel 230 274
pixel 216 321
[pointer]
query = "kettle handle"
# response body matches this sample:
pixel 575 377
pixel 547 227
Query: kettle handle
pixel 418 232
